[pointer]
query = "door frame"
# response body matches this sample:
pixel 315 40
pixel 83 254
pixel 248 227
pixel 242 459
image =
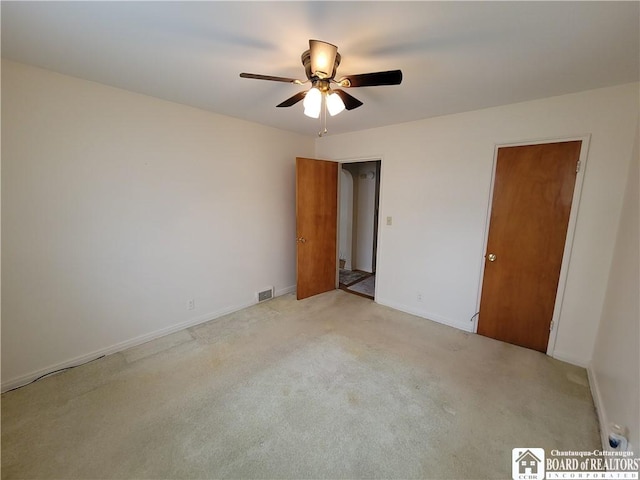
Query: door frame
pixel 371 158
pixel 571 229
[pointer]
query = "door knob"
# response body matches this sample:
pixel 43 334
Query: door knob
pixel 301 240
pixel 491 257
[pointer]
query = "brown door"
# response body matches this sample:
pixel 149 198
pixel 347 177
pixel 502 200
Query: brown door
pixel 316 226
pixel 532 196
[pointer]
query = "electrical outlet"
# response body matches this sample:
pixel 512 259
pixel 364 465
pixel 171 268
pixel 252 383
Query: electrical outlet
pixel 191 304
pixel 419 297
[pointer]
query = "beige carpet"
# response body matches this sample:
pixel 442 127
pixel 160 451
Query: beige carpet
pixel 334 386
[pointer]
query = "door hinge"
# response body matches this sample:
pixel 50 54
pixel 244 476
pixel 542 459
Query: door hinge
pixel 578 166
pixel 551 326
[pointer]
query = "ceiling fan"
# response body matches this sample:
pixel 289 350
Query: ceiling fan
pixel 320 63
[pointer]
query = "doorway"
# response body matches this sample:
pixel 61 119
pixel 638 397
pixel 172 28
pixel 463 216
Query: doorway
pixel 358 226
pixel 533 193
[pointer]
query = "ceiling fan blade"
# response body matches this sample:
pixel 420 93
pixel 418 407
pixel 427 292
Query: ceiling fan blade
pixel 391 77
pixel 269 77
pixel 293 100
pixel 350 102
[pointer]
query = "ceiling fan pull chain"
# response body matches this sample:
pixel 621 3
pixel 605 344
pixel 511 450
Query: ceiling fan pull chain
pixel 323 117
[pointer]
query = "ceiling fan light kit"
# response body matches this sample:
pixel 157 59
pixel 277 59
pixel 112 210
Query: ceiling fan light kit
pixel 320 63
pixel 312 103
pixel 335 105
pixel 324 58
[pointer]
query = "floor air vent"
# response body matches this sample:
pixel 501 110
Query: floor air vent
pixel 265 295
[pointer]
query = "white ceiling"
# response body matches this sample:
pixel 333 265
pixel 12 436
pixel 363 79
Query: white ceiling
pixel 455 56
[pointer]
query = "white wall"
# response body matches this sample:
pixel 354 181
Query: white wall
pixel 615 368
pixel 436 186
pixel 345 231
pixel 366 205
pixel 117 208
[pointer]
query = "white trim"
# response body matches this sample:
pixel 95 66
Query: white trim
pixel 465 326
pixel 568 246
pixel 283 291
pixel 573 360
pixel 487 221
pixel 336 283
pixel 600 411
pixel 379 230
pixel 133 342
pixel 368 158
pixel 571 228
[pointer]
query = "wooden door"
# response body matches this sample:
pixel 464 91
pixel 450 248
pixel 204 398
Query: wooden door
pixel 532 196
pixel 316 226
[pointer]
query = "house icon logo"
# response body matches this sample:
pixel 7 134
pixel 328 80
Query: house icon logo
pixel 527 463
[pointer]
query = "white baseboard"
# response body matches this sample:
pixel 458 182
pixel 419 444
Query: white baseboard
pixel 600 411
pixel 580 362
pixel 133 342
pixel 429 316
pixel 468 327
pixel 285 290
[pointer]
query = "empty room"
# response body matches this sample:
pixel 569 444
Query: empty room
pixel 320 240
